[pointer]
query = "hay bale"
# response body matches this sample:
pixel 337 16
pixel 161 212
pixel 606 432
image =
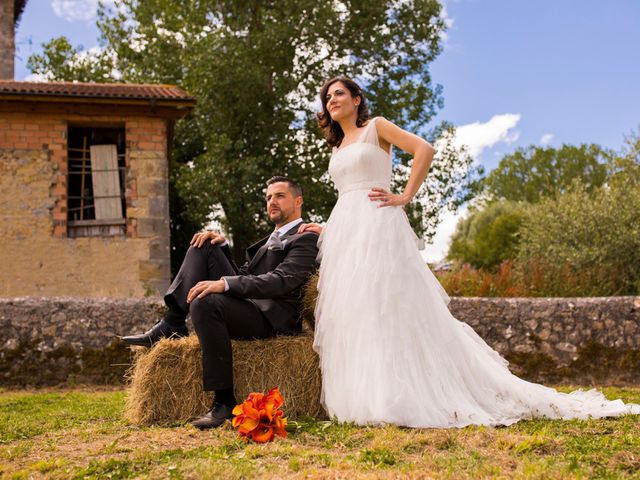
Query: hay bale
pixel 166 380
pixel 309 299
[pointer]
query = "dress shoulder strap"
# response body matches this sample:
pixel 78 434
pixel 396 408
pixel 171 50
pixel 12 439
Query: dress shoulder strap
pixel 370 134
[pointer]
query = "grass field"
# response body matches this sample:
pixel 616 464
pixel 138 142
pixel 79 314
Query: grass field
pixel 80 434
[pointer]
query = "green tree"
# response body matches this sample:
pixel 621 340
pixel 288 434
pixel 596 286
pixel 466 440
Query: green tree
pixel 488 236
pixel 596 235
pixel 536 172
pixel 255 68
pixel 59 60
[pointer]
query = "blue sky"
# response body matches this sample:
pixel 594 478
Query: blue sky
pixel 569 68
pixel 514 72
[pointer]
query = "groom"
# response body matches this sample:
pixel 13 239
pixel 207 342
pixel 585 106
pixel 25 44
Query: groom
pixel 261 299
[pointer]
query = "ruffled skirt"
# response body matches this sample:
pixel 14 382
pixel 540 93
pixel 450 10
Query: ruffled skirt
pixel 390 350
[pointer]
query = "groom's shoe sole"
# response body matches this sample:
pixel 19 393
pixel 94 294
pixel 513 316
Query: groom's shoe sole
pixel 159 331
pixel 145 341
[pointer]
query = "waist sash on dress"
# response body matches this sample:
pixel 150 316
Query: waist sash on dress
pixel 366 185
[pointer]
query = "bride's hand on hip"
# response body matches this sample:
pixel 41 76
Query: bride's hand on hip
pixel 310 227
pixel 388 199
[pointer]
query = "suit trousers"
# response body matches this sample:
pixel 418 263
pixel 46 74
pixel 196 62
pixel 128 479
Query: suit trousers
pixel 205 263
pixel 217 318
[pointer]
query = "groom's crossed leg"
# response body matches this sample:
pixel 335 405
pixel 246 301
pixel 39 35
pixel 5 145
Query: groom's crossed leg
pixel 217 318
pixel 207 262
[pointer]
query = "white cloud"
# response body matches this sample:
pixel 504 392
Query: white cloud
pixel 77 10
pixel 439 246
pixel 38 77
pixel 477 137
pixel 480 136
pixel 448 22
pixel 546 138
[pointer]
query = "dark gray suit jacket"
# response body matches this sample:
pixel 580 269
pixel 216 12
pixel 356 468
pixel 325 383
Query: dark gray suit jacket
pixel 273 278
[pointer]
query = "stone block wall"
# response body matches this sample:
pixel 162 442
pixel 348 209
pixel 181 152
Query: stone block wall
pixel 148 199
pixel 556 327
pixel 571 340
pixel 50 341
pixel 37 256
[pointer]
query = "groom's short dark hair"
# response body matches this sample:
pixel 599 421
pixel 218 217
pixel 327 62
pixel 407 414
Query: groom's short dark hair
pixel 295 188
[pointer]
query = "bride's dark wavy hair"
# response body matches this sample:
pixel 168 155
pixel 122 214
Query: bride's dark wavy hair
pixel 331 130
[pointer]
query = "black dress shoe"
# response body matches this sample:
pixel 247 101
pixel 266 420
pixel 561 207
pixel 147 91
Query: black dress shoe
pixel 160 330
pixel 217 416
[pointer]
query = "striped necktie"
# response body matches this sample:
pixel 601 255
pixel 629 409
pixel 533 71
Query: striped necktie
pixel 274 242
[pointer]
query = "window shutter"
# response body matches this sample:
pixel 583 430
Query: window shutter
pixel 106 182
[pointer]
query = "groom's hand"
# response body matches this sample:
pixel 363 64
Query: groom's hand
pixel 202 289
pixel 201 237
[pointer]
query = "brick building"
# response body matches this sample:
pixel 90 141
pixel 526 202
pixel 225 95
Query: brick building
pixel 84 204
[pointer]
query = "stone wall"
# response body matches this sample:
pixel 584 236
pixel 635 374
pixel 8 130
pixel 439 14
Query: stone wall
pixel 37 256
pixel 49 341
pixel 556 327
pixel 576 340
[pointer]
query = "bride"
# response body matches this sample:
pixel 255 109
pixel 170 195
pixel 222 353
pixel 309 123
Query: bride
pixel 390 350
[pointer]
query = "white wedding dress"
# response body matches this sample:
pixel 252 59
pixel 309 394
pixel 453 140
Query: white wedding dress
pixel 390 350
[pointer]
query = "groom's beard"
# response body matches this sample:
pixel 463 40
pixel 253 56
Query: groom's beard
pixel 276 216
pixel 279 217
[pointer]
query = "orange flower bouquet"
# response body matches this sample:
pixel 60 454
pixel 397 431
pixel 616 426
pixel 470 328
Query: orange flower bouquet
pixel 259 417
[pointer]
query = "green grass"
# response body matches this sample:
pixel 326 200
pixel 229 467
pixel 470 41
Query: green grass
pixel 25 415
pixel 81 434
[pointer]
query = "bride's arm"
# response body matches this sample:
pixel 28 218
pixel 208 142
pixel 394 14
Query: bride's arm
pixel 422 152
